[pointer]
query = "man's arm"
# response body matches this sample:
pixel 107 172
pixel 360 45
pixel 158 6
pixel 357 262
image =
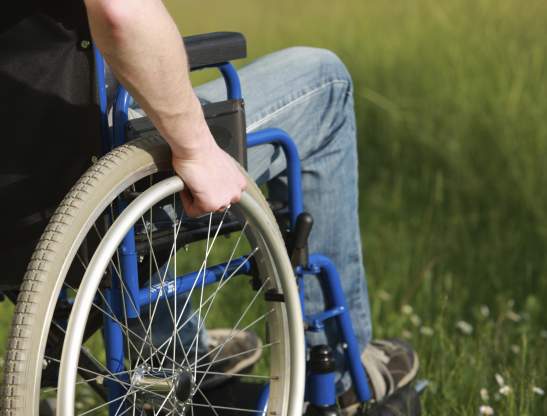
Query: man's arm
pixel 144 48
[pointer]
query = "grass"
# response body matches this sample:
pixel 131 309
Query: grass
pixel 451 108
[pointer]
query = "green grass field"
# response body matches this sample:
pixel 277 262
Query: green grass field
pixel 451 101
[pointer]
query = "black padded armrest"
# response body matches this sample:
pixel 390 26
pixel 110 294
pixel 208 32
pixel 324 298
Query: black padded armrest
pixel 214 48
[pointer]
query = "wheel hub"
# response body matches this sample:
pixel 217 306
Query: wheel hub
pixel 184 386
pixel 155 384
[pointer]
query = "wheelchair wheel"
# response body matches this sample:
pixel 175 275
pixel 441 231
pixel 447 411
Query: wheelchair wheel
pixel 227 270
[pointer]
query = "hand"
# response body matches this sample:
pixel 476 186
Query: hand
pixel 211 177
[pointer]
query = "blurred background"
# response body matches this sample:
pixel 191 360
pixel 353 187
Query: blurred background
pixel 451 101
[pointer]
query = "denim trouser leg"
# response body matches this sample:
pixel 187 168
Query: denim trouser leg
pixel 308 93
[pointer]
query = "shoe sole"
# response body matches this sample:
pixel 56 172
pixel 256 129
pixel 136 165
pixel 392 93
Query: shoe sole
pixel 352 410
pixel 217 380
pixel 248 362
pixel 411 374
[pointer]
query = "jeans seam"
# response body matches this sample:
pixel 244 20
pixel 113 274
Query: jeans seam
pixel 270 115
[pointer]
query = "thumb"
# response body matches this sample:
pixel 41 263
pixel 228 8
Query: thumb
pixel 188 203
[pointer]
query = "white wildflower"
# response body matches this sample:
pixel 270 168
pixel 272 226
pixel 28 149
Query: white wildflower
pixel 465 327
pixel 505 390
pixel 499 380
pixel 383 295
pixel 407 309
pixel 485 311
pixel 513 316
pixel 486 410
pixel 515 349
pixel 538 390
pixel 484 395
pixel 427 331
pixel 415 319
pixel 406 334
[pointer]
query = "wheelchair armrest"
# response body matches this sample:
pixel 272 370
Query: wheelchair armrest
pixel 214 48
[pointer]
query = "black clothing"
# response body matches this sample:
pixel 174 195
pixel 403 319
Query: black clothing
pixel 49 120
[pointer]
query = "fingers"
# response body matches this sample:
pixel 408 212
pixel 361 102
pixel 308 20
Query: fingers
pixel 188 204
pixel 211 184
pixel 201 205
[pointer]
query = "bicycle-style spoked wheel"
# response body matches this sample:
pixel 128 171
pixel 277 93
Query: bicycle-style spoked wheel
pixel 152 345
pixel 168 374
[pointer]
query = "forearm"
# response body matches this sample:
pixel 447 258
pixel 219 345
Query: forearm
pixel 142 45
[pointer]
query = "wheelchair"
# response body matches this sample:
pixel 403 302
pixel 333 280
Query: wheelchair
pixel 119 260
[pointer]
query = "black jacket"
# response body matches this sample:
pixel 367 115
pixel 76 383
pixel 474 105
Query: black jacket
pixel 49 120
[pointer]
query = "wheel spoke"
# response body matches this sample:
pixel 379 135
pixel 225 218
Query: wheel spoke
pixel 235 409
pixel 218 287
pixel 201 272
pixel 167 396
pixel 202 287
pixel 237 374
pixel 162 279
pixel 210 298
pixel 229 357
pixel 162 283
pixel 128 330
pixel 208 402
pixel 232 335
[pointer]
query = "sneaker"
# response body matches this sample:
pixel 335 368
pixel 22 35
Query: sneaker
pixel 241 351
pixel 390 365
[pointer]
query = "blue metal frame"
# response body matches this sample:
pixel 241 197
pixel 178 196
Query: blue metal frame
pixel 319 265
pixel 321 390
pixel 103 105
pixel 231 79
pixel 294 177
pixel 325 269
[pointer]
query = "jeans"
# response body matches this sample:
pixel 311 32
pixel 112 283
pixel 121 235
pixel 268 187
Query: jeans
pixel 308 93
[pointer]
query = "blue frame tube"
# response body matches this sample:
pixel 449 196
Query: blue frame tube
pixel 106 140
pixel 280 137
pixel 322 390
pixel 128 252
pixel 263 398
pixel 185 282
pixel 121 108
pixel 330 276
pixel 231 79
pixel 130 268
pixel 316 321
pixel 114 341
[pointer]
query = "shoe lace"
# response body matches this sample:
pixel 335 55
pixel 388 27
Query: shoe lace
pixel 378 356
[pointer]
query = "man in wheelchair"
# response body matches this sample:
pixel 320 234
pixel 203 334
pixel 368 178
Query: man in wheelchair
pixel 305 91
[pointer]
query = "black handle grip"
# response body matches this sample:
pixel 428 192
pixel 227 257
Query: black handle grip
pixel 214 48
pixel 300 235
